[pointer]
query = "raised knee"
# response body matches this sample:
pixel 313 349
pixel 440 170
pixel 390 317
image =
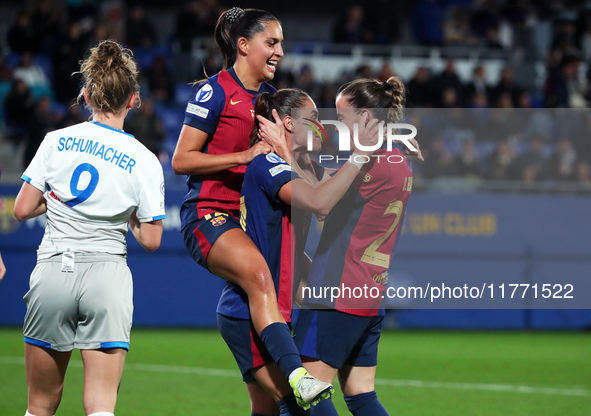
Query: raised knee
pixel 262 281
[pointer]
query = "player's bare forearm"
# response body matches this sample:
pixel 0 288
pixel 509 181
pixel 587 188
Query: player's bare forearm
pixel 2 268
pixel 326 194
pixel 40 210
pixel 332 190
pixel 29 203
pixel 148 234
pixel 197 163
pixel 322 198
pixel 189 159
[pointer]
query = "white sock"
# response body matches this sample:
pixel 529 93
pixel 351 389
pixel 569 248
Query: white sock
pixel 102 414
pixel 29 414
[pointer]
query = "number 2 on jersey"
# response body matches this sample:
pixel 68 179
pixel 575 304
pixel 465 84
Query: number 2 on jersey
pixel 371 254
pixel 81 195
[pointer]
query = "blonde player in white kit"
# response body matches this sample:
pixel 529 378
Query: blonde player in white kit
pixel 94 181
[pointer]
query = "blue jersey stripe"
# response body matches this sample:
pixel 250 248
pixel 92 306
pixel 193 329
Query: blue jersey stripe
pixel 111 128
pixel 26 178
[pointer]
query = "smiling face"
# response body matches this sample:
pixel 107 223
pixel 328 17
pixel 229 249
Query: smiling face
pixel 263 51
pixel 300 128
pixel 347 113
pixel 350 115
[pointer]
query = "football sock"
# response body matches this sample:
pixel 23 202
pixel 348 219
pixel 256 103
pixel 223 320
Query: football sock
pixel 256 414
pixel 29 414
pixel 102 414
pixel 288 406
pixel 278 341
pixel 324 408
pixel 365 404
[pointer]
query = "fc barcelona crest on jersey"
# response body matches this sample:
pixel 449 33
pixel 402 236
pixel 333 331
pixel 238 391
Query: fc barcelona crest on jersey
pixel 217 221
pixel 366 177
pixel 381 279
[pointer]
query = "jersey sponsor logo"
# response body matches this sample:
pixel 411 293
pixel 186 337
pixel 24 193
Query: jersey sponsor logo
pixel 235 102
pixel 54 196
pixel 162 188
pixel 278 169
pixel 273 158
pixel 204 94
pixel 217 221
pixel 197 110
pixel 252 112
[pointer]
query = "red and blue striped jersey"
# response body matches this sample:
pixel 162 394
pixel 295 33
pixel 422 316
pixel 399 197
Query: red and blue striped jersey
pixel 359 234
pixel 267 221
pixel 224 109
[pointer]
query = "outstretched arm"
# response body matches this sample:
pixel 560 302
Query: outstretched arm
pixel 321 199
pixel 188 158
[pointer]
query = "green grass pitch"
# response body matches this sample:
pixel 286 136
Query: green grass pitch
pixel 178 372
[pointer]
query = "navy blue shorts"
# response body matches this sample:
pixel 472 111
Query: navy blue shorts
pixel 338 338
pixel 201 235
pixel 245 344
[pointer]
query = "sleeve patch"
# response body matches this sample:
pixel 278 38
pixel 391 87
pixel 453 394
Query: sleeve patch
pixel 276 170
pixel 273 158
pixel 197 110
pixel 204 93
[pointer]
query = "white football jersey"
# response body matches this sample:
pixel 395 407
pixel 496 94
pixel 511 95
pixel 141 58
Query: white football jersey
pixel 93 177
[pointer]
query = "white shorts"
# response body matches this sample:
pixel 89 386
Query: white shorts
pixel 89 308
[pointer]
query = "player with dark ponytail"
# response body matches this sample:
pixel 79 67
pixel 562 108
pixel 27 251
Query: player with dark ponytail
pixel 341 336
pixel 213 151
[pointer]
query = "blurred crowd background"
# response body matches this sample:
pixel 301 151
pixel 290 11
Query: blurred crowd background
pixel 503 62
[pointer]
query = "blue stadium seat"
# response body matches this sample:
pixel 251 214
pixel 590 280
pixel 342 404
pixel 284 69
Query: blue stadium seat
pixel 4 89
pixel 182 93
pixel 485 149
pixel 39 91
pixel 12 59
pixel 59 108
pixel 537 101
pixel 453 147
pixel 172 119
pixel 44 61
